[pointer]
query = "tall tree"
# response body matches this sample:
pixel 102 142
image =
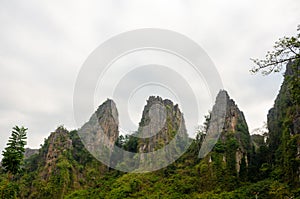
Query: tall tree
pixel 13 154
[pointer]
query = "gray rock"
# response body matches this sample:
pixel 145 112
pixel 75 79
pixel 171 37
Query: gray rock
pixel 29 152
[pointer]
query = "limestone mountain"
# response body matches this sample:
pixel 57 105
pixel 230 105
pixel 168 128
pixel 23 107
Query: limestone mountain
pixel 222 162
pixel 161 121
pixel 63 164
pixel 284 127
pixel 100 133
pixel 58 142
pixel 228 138
pixel 160 139
pixel 162 132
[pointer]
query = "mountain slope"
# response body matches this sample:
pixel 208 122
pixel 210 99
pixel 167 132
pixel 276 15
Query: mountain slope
pixel 236 165
pixel 284 127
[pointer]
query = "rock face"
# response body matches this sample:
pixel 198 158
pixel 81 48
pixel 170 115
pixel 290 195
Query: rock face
pixel 236 125
pixel 227 126
pixel 101 131
pixel 58 142
pixel 162 130
pixel 284 125
pixel 161 121
pixel 215 124
pixel 29 152
pixel 284 102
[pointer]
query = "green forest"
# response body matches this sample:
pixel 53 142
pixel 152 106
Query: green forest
pixel 239 166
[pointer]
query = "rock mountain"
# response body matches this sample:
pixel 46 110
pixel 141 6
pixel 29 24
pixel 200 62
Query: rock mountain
pixel 227 134
pixel 222 162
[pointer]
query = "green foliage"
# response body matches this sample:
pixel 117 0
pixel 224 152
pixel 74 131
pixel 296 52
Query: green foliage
pixel 131 143
pixel 262 189
pixel 284 130
pixel 268 170
pixel 8 189
pixel 283 119
pixel 76 176
pixel 13 154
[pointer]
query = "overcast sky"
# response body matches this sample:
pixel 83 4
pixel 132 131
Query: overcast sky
pixel 43 45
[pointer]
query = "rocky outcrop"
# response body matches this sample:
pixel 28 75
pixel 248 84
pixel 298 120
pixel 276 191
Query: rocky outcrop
pixel 100 133
pixel 29 152
pixel 161 121
pixel 235 123
pixel 286 106
pixel 227 125
pixel 215 124
pixel 58 142
pixel 236 126
pixel 161 132
pixel 284 125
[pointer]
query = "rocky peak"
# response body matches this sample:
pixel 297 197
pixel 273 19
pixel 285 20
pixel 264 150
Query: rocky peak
pixel 284 123
pixel 58 142
pixel 286 107
pixel 101 131
pixel 227 124
pixel 108 119
pixel 235 123
pixel 161 121
pixel 162 134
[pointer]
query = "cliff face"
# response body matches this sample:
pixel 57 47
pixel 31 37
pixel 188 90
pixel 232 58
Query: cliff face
pixel 286 106
pixel 227 133
pixel 162 134
pixel 29 152
pixel 58 142
pixel 100 133
pixel 284 125
pixel 161 121
pixel 235 123
pixel 63 163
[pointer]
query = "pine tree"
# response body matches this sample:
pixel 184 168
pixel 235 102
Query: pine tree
pixel 13 154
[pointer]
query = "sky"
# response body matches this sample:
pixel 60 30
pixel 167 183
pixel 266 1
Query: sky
pixel 43 45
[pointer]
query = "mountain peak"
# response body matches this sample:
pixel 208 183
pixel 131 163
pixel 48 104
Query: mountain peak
pixel 222 93
pixel 226 124
pixel 58 142
pixel 101 131
pixel 161 123
pixel 108 108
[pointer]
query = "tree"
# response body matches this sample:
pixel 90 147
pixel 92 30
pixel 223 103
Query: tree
pixel 286 50
pixel 13 154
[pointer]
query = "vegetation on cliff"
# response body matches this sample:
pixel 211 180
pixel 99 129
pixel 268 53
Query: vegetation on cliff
pixel 238 166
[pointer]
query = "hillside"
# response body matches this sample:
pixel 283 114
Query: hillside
pixel 224 161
